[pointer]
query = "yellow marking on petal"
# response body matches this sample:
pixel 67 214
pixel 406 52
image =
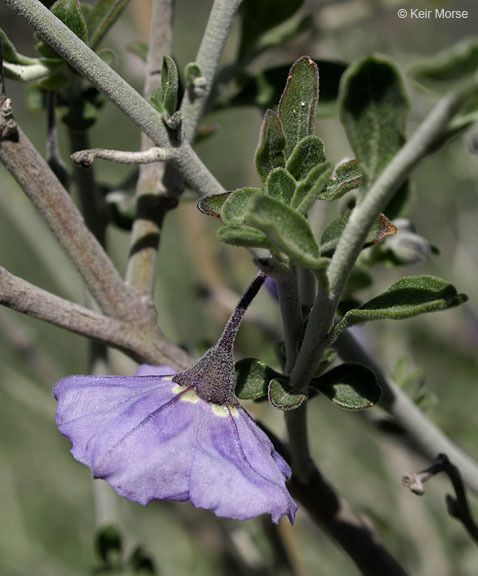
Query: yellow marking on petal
pixel 168 377
pixel 220 411
pixel 177 389
pixel 190 396
pixel 224 411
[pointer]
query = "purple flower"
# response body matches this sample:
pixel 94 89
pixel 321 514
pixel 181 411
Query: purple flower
pixel 151 438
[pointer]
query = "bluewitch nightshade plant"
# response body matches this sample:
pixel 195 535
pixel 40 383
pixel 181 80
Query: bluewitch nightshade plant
pixel 178 436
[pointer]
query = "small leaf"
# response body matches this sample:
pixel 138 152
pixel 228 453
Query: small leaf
pixel 10 54
pixel 235 208
pixel 212 204
pixel 192 72
pixel 280 185
pixel 243 236
pixel 270 150
pixel 373 110
pixel 69 12
pixel 310 189
pixel 347 177
pixel 453 63
pixel 108 56
pixel 306 155
pixel 285 229
pixel 351 386
pixel 252 379
pixel 101 18
pixel 165 99
pixel 298 101
pixel 381 229
pixel 169 85
pixel 281 396
pixel 410 296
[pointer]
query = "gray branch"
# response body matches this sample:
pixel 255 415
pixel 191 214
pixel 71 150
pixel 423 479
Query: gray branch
pixel 141 340
pixel 210 52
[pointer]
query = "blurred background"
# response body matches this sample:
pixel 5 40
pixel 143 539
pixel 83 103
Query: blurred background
pixel 51 511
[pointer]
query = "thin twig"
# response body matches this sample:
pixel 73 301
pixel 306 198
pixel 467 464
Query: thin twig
pixel 426 436
pixel 85 158
pixel 458 507
pixel 207 59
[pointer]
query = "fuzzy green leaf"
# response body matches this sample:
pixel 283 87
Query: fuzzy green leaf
pixel 410 296
pixel 286 229
pixel 281 396
pixel 270 150
pixel 165 99
pixel 299 101
pixel 306 155
pixel 69 12
pixel 243 236
pixel 453 63
pixel 10 54
pixel 212 204
pixel 280 185
pixel 193 73
pixel 169 84
pixel 235 208
pixel 373 109
pixel 347 177
pixel 101 18
pixel 252 379
pixel 108 56
pixel 310 189
pixel 351 386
